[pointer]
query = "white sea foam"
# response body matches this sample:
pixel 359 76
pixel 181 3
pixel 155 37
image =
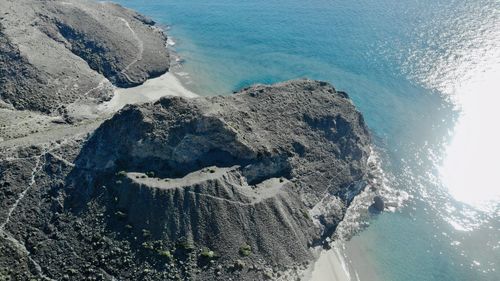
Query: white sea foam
pixel 170 41
pixel 357 215
pixel 335 264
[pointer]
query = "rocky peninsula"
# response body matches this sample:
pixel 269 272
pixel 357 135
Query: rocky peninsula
pixel 241 187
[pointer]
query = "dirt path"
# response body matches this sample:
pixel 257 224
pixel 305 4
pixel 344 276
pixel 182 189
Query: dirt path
pixel 59 132
pixel 140 46
pixel 40 162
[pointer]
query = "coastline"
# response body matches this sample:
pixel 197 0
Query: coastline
pixel 334 264
pixel 345 261
pixel 330 265
pixel 171 83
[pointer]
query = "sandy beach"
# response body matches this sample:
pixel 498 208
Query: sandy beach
pixel 346 261
pixel 153 89
pixel 330 266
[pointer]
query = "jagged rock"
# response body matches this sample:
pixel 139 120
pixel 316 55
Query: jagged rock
pixel 53 53
pixel 229 171
pixel 378 203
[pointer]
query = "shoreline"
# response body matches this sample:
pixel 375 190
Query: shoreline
pixel 171 83
pixel 152 90
pixel 334 264
pixel 330 265
pixel 345 261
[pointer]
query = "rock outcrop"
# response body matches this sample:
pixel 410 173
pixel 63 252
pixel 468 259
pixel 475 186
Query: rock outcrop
pixel 241 187
pixel 56 53
pixel 378 204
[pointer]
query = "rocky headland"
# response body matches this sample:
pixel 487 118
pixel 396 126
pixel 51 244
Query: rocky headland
pixel 241 187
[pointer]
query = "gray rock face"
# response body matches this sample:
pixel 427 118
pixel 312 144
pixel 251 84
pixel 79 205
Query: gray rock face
pixel 301 129
pixel 378 204
pixel 54 53
pixel 199 189
pixel 240 187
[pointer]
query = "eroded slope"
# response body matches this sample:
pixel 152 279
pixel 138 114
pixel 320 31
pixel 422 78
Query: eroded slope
pixel 57 53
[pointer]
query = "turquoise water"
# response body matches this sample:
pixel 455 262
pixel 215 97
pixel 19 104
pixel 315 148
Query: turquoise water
pixel 424 74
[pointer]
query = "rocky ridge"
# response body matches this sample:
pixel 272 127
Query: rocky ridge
pixel 240 187
pixel 194 189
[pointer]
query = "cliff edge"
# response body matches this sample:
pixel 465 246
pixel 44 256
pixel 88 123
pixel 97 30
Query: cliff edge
pixel 237 187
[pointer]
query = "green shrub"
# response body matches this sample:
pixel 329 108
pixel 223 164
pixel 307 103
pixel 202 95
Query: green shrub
pixel 186 245
pixel 305 213
pixel 165 254
pixel 147 246
pixel 245 250
pixel 208 254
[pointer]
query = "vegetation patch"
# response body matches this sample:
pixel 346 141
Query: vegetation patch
pixel 165 254
pixel 245 250
pixel 146 233
pixel 186 245
pixel 208 254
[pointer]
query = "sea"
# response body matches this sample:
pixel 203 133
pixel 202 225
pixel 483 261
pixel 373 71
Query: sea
pixel 426 76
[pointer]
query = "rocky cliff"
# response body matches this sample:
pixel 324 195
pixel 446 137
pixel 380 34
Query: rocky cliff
pixel 240 187
pixel 237 187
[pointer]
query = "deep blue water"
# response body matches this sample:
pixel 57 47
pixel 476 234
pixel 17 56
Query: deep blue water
pixel 410 67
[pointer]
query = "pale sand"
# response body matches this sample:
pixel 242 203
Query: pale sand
pixel 331 266
pixel 359 252
pixel 151 90
pixel 346 261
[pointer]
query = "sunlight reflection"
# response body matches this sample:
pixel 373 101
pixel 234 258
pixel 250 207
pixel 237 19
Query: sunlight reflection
pixel 471 168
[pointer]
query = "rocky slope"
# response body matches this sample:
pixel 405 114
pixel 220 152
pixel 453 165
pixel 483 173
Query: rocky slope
pixel 241 187
pixel 54 54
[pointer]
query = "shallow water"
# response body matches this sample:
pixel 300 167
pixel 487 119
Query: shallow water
pixel 424 73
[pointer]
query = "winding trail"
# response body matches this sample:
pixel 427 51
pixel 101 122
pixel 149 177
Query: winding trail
pixel 39 164
pixel 140 46
pixel 37 167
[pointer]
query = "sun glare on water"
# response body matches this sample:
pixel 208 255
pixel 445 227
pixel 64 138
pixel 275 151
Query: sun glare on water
pixel 471 169
pixel 468 73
